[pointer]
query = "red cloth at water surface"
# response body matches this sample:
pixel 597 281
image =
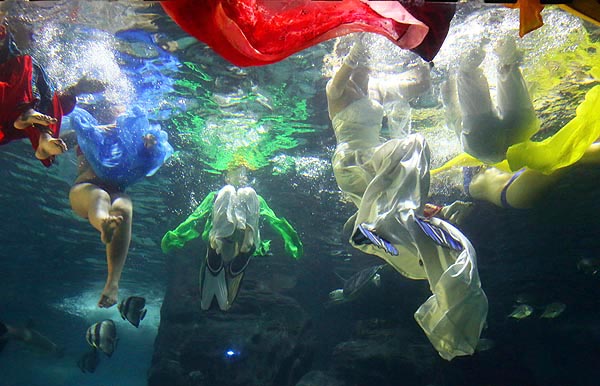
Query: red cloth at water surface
pixel 260 32
pixel 16 96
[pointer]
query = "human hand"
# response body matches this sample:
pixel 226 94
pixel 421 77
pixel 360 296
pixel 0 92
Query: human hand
pixel 457 211
pixel 149 141
pixel 358 54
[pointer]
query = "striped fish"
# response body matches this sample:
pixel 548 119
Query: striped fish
pixel 132 309
pixel 103 336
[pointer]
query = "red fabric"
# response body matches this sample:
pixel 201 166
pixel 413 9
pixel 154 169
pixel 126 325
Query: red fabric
pixel 259 32
pixel 16 96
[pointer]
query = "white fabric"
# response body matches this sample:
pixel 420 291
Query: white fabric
pixel 487 135
pixel 394 177
pixel 235 222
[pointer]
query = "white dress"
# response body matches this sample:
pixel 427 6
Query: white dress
pixel 235 222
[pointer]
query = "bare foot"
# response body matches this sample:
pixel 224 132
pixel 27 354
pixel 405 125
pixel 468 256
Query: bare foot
pixel 31 117
pixel 50 146
pixel 108 297
pixel 109 225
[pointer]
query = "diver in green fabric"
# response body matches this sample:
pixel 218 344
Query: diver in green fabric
pixel 232 236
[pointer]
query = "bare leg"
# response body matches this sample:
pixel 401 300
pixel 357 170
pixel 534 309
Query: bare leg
pixel 592 154
pixel 117 249
pixel 31 117
pixel 91 202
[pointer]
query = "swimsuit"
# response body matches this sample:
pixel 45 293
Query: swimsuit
pixel 512 179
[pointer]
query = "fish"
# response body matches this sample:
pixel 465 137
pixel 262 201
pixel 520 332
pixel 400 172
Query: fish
pixel 521 311
pixel 552 310
pixel 132 309
pixel 485 344
pixel 103 336
pixel 88 362
pixel 589 265
pixel 3 336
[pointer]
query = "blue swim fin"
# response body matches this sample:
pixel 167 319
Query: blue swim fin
pixel 365 236
pixel 439 236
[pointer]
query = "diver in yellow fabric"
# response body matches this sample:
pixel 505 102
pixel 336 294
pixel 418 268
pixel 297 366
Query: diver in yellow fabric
pixel 232 235
pixel 484 133
pixel 389 183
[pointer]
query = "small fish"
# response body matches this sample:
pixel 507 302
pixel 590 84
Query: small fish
pixel 89 361
pixel 521 311
pixel 552 310
pixel 589 265
pixel 103 336
pixel 3 336
pixel 485 344
pixel 132 309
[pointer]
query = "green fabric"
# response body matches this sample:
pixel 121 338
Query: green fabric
pixel 290 237
pixel 188 230
pixel 562 149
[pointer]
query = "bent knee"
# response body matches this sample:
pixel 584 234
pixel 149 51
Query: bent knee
pixel 122 207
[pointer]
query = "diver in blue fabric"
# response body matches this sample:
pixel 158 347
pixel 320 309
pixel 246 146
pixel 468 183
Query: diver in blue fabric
pixel 110 158
pixel 117 152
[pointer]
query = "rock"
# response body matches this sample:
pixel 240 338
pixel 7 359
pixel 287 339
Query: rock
pixel 319 378
pixel 264 339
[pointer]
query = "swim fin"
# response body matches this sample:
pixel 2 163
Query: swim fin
pixel 439 236
pixel 213 283
pixel 363 235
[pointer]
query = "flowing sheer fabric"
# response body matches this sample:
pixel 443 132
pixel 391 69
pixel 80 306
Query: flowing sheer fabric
pixel 118 155
pixel 259 32
pixel 391 205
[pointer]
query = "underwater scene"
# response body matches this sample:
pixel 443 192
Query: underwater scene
pixel 299 193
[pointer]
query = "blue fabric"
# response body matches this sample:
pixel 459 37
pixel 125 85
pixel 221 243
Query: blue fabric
pixel 118 156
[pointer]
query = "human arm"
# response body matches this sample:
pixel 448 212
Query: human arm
pixel 85 85
pixel 188 230
pixel 355 57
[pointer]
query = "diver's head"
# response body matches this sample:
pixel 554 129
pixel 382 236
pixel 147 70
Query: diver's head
pixel 237 176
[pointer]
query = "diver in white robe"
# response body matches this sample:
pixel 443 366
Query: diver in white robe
pixel 233 240
pixel 389 183
pixel 486 132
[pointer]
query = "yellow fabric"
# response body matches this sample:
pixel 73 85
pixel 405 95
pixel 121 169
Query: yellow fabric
pixel 530 15
pixel 566 146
